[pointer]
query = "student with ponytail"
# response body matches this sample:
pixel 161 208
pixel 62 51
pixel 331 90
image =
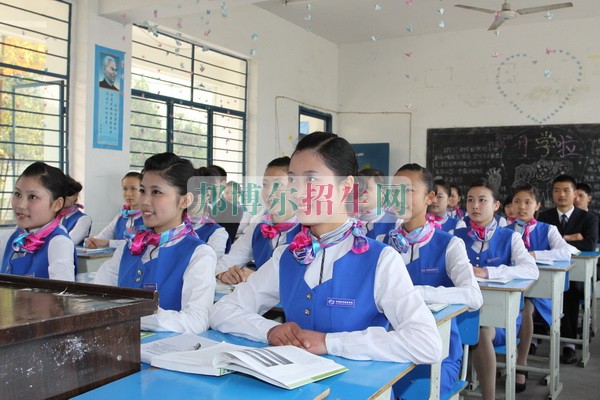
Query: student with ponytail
pixel 127 221
pixel 40 246
pixel 73 219
pixel 340 291
pixel 166 255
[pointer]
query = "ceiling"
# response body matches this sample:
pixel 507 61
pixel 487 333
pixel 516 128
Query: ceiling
pixel 351 21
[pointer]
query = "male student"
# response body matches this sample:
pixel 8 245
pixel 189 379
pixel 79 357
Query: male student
pixel 583 198
pixel 226 214
pixel 580 229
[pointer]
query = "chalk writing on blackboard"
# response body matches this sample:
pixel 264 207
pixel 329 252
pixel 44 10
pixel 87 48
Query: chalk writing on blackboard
pixel 513 155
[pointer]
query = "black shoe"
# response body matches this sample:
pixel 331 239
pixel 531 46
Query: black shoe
pixel 532 349
pixel 520 387
pixel 568 356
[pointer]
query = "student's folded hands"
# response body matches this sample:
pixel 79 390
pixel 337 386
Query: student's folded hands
pixel 235 275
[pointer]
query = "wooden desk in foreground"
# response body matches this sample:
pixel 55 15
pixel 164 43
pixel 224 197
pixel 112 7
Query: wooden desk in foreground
pixel 58 338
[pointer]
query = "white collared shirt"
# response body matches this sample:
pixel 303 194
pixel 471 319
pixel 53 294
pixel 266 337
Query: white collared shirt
pixel 560 250
pixel 415 337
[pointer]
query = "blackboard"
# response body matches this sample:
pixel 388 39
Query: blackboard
pixel 509 156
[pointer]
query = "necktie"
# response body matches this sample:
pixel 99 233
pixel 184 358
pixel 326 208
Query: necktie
pixel 563 221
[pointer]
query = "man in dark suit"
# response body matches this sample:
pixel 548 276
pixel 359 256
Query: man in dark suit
pixel 580 229
pixel 226 214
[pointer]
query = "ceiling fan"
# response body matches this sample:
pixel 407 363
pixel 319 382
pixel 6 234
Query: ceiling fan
pixel 507 13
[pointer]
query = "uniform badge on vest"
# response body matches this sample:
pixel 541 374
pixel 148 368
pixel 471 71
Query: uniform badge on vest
pixel 335 302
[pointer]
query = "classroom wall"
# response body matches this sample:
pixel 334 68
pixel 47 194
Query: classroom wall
pixel 99 170
pixel 452 79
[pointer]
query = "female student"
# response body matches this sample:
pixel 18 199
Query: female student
pixel 454 200
pixel 73 219
pixel 127 221
pixel 543 242
pixel 376 220
pixel 276 227
pixel 205 226
pixel 439 206
pixel 168 256
pixel 340 290
pixel 494 252
pixel 40 246
pixel 436 261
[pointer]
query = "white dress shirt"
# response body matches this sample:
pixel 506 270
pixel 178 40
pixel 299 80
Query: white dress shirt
pixel 197 293
pixel 218 240
pixel 414 337
pixel 466 289
pixel 81 230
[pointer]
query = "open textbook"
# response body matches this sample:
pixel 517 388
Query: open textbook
pixel 285 366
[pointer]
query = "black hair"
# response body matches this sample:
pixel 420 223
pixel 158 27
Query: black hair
pixel 585 187
pixel 281 162
pixel 220 170
pixel 207 171
pixel 529 188
pixel 133 174
pixel 455 186
pixel 365 174
pixel 172 168
pixel 509 199
pixel 564 178
pixel 335 151
pixel 482 182
pixel 73 187
pixel 445 185
pixel 52 178
pixel 424 174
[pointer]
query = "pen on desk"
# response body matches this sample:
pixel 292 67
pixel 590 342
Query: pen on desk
pixel 197 346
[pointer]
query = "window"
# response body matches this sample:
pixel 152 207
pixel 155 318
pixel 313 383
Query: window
pixel 34 81
pixel 188 99
pixel 312 121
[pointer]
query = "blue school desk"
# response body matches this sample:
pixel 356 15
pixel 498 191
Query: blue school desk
pixel 551 285
pixel 501 306
pixel 443 319
pixel 364 380
pixel 585 271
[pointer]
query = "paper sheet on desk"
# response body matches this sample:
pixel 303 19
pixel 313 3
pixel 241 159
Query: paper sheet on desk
pixel 544 261
pixel 174 344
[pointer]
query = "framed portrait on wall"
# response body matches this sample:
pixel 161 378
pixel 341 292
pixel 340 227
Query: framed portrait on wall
pixel 108 98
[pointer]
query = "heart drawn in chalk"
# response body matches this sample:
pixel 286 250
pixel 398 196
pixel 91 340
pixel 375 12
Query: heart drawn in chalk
pixel 539 87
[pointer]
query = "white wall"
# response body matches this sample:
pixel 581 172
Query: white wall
pixel 99 170
pixel 452 82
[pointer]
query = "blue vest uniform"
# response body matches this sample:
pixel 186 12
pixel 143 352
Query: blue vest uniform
pixel 499 252
pixel 206 231
pixel 121 226
pixel 383 226
pixel 70 222
pixel 344 303
pixel 538 240
pixel 261 246
pixel 163 273
pixel 31 264
pixel 430 270
pixel 450 224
